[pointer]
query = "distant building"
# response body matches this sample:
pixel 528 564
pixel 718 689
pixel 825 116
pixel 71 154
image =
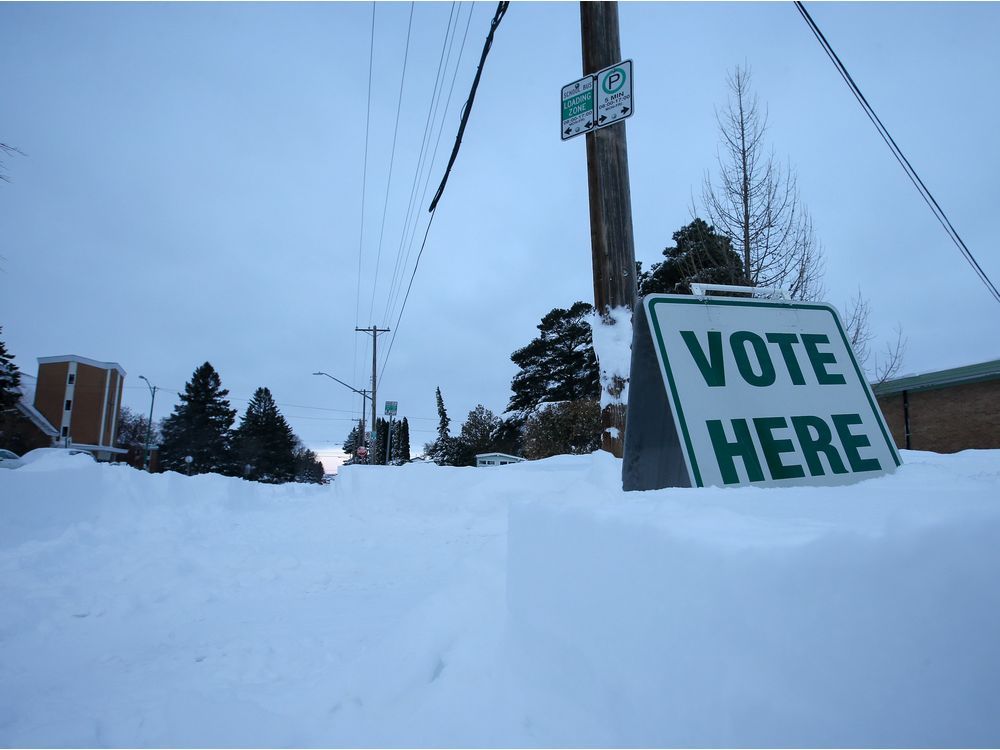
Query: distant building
pixel 74 402
pixel 496 459
pixel 944 411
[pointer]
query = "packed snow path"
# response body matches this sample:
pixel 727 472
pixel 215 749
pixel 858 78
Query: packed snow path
pixel 164 610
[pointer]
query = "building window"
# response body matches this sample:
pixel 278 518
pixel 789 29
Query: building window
pixel 65 431
pixel 71 379
pixel 69 404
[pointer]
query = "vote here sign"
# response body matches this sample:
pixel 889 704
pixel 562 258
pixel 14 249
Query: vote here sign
pixel 731 391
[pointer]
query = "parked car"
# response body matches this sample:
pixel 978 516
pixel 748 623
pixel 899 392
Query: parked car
pixel 9 459
pixel 32 456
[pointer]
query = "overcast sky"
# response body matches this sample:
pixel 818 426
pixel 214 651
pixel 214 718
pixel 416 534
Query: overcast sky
pixel 191 188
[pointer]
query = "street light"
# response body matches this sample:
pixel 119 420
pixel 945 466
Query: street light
pixel 363 393
pixel 149 424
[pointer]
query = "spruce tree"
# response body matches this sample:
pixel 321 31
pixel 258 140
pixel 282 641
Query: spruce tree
pixel 377 457
pixel 13 425
pixel 479 433
pixel 308 467
pixel 351 442
pixel 444 451
pixel 264 442
pixel 10 380
pixel 200 426
pixel 400 449
pixel 443 420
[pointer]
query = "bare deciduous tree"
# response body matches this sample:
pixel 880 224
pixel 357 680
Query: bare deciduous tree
pixel 755 202
pixel 7 150
pixel 879 366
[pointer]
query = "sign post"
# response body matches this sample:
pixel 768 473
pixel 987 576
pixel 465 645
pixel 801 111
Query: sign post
pixel 390 411
pixel 732 391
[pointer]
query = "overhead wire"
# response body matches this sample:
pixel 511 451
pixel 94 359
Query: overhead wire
pixel 466 111
pixel 364 185
pixel 390 303
pixel 392 162
pixel 911 173
pixel 432 105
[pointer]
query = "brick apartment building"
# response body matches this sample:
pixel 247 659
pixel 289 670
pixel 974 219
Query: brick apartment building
pixel 944 411
pixel 74 402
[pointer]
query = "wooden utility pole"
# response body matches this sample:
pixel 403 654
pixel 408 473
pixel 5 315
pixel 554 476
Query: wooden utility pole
pixel 610 205
pixel 374 331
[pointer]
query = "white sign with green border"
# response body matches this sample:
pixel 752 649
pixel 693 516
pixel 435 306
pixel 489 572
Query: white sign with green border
pixel 731 391
pixel 614 94
pixel 577 107
pixel 597 100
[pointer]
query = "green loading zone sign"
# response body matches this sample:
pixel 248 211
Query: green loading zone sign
pixel 728 391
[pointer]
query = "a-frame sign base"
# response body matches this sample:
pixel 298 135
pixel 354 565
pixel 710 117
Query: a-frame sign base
pixel 653 457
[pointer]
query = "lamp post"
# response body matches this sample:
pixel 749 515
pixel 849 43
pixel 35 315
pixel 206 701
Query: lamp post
pixel 149 424
pixel 363 393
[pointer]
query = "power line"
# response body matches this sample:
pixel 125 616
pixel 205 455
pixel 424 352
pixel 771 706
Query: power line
pixel 423 195
pixel 392 162
pixel 466 111
pixel 364 183
pixel 424 143
pixel 911 173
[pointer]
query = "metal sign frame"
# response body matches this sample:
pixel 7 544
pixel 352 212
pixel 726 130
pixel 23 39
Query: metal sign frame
pixel 590 121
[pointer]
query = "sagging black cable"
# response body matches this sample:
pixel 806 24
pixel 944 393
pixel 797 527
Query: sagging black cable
pixel 467 109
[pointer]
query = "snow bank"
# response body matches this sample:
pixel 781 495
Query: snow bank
pixel 808 617
pixel 527 605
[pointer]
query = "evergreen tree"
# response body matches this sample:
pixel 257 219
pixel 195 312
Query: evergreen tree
pixel 377 457
pixel 559 364
pixel 445 450
pixel 14 426
pixel 308 467
pixel 509 437
pixel 10 379
pixel 700 255
pixel 400 449
pixel 443 420
pixel 264 442
pixel 479 433
pixel 200 426
pixel 352 441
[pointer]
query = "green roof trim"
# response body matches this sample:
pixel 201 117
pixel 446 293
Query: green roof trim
pixel 941 378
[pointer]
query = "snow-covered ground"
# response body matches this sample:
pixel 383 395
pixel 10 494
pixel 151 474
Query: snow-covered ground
pixel 533 604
